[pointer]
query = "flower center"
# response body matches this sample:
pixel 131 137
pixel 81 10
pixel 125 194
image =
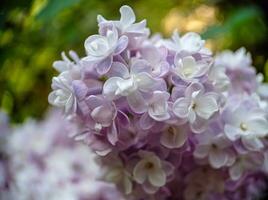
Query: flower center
pixel 149 165
pixel 243 127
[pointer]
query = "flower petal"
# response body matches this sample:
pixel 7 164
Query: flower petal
pixel 104 65
pixel 157 177
pixel 139 174
pixel 217 158
pixel 127 15
pixel 136 102
pixel 201 151
pixel 110 87
pixel 121 45
pixel 174 137
pixel 206 106
pixel 181 107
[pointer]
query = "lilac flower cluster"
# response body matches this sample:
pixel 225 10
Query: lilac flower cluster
pixel 43 163
pixel 167 119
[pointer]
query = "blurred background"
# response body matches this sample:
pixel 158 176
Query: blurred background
pixel 34 32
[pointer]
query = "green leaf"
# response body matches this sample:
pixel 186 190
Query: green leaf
pixel 54 7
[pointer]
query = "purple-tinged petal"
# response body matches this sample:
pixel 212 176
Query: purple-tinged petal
pixel 104 65
pixel 181 107
pixel 121 45
pixel 137 103
pixel 118 70
pixel 80 89
pixel 112 135
pixel 146 122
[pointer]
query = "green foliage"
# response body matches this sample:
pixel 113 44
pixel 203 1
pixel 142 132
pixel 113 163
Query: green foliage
pixel 53 7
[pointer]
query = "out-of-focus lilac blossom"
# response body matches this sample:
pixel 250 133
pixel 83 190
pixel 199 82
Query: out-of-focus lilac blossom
pixel 234 60
pixel 243 163
pixel 248 124
pixel 215 149
pixel 190 42
pixel 45 164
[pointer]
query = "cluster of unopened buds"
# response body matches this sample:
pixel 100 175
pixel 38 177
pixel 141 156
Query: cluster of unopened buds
pixel 167 118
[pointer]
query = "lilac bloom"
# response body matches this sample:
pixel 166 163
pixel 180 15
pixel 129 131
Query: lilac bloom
pixel 130 83
pixel 234 60
pixel 249 125
pixel 101 49
pixel 188 69
pixel 73 66
pixel 190 42
pixel 174 136
pixel 150 171
pixel 196 106
pixel 157 109
pixel 160 67
pixel 104 114
pixel 63 95
pixel 215 148
pixel 126 25
pixel 244 163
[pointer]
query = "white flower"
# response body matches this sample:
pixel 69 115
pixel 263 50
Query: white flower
pixel 248 124
pixel 74 67
pixel 158 106
pixel 130 84
pixel 219 79
pixel 174 137
pixel 234 60
pixel 150 169
pixel 62 95
pixel 126 24
pixel 188 69
pixel 100 49
pixel 119 175
pixel 190 42
pixel 214 147
pixel 197 106
pixel 246 162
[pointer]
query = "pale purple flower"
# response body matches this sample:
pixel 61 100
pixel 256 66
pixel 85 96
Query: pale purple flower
pixel 156 109
pixel 130 84
pixel 197 106
pixel 215 149
pixel 249 125
pixel 157 59
pixel 62 95
pixel 101 49
pixel 174 136
pixel 150 171
pixel 248 162
pixel 126 25
pixel 73 66
pixel 190 42
pixel 234 60
pixel 188 69
pixel 219 79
